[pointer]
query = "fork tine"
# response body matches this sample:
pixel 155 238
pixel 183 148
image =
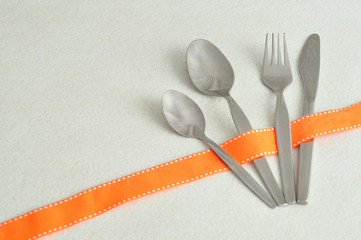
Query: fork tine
pixel 279 60
pixel 274 56
pixel 265 57
pixel 286 60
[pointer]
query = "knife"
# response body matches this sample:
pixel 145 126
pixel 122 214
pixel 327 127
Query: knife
pixel 309 67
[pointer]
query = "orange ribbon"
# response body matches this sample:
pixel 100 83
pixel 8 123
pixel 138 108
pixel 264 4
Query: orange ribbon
pixel 100 199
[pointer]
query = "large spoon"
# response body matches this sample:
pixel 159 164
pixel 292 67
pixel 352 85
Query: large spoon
pixel 187 119
pixel 211 72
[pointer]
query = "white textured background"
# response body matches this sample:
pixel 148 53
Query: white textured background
pixel 80 89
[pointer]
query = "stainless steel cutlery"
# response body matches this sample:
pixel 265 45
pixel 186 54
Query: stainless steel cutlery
pixel 309 67
pixel 212 74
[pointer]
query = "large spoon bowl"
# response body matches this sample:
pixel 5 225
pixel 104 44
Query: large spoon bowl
pixel 209 69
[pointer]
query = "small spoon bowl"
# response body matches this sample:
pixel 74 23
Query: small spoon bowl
pixel 183 115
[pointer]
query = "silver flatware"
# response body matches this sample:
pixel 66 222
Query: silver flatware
pixel 309 67
pixel 187 119
pixel 277 75
pixel 212 74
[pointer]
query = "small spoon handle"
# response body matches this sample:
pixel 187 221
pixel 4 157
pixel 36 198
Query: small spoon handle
pixel 241 173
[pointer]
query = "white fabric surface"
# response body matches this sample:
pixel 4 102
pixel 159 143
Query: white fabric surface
pixel 80 89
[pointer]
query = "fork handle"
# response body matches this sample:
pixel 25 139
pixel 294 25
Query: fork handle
pixel 283 136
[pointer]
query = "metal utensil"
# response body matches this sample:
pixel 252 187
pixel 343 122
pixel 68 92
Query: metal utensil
pixel 211 72
pixel 309 67
pixel 187 119
pixel 277 76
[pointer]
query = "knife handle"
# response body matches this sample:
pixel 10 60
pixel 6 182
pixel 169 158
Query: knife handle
pixel 304 172
pixel 283 136
pixel 304 162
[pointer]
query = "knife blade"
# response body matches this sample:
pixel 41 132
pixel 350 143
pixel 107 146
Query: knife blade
pixel 309 68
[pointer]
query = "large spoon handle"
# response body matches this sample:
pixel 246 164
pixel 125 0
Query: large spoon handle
pixel 283 136
pixel 242 124
pixel 241 173
pixel 239 117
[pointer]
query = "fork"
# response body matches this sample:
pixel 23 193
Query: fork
pixel 277 76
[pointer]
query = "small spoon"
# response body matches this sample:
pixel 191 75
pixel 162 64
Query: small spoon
pixel 211 72
pixel 187 119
